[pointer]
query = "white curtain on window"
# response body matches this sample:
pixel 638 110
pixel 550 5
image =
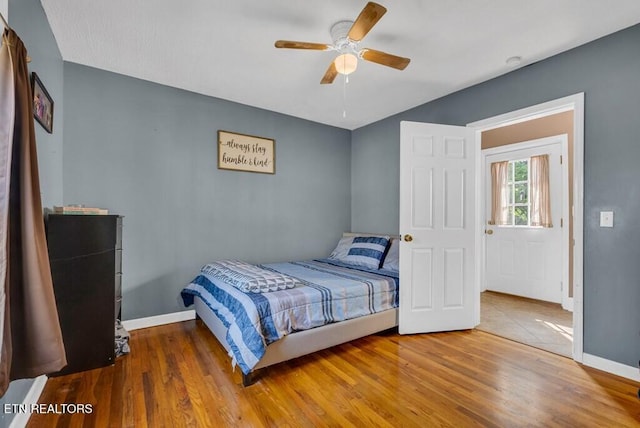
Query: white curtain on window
pixel 540 196
pixel 499 193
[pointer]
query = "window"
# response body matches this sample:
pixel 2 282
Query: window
pixel 518 206
pixel 520 193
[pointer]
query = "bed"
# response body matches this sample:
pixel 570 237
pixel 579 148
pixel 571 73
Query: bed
pixel 292 309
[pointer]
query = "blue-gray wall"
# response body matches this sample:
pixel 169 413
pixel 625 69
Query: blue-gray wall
pixel 28 19
pixel 149 152
pixel 608 72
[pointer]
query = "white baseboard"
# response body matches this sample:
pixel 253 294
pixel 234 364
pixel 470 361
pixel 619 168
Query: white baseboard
pixel 20 420
pixel 147 322
pixel 612 367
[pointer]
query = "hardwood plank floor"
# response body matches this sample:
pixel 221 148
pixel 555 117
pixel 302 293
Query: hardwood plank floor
pixel 179 376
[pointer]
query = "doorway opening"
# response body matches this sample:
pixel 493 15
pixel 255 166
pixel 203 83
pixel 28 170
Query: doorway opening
pixel 537 323
pixel 503 309
pixel 525 296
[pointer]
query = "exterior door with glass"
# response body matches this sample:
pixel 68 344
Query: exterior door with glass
pixel 523 259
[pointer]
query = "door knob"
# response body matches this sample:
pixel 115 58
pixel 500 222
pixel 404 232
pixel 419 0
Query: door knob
pixel 408 238
pixel 489 232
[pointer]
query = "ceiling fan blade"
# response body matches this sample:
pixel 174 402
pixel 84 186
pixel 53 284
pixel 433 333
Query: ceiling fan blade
pixel 384 58
pixel 301 45
pixel 369 16
pixel 330 75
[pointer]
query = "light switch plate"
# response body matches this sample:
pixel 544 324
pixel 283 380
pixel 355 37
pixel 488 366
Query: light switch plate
pixel 606 218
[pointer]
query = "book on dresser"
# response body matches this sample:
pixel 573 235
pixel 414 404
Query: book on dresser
pixel 80 210
pixel 85 253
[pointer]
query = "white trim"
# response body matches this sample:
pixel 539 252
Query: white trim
pixel 20 420
pixel 578 225
pixel 529 113
pixel 567 301
pixel 575 103
pixel 156 320
pixel 612 367
pixel 567 304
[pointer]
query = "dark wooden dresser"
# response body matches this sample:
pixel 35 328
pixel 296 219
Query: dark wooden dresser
pixel 85 253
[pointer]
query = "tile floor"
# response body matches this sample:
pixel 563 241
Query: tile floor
pixel 536 323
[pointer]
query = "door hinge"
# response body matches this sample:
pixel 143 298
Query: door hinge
pixel 561 286
pixel 560 159
pixel 561 222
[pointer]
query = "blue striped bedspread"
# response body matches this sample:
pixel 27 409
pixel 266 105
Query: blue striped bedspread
pixel 330 292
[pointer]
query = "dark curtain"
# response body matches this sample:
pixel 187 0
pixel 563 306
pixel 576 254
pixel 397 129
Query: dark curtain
pixel 32 340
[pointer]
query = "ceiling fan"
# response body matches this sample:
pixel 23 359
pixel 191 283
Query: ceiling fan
pixel 346 37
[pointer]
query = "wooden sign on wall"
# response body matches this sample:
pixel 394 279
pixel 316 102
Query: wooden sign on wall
pixel 241 152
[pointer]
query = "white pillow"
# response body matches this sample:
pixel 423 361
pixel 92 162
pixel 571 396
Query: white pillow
pixel 392 259
pixel 342 249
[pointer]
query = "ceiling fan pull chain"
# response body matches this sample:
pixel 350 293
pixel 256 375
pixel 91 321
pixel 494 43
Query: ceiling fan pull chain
pixel 344 96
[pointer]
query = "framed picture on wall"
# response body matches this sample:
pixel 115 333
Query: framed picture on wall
pixel 240 152
pixel 42 104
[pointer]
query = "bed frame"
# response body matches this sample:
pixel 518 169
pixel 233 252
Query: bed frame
pixel 307 341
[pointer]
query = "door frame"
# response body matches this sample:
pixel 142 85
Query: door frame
pixel 576 103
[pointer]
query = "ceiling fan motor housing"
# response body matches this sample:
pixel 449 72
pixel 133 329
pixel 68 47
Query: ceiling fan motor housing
pixel 341 41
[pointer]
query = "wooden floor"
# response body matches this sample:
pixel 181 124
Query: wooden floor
pixel 178 375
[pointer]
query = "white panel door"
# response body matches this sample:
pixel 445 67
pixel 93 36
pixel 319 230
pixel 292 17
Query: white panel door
pixel 437 223
pixel 522 260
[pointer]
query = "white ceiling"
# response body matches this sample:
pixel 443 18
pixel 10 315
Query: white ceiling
pixel 224 48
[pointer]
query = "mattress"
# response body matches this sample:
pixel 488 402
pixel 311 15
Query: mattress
pixel 328 291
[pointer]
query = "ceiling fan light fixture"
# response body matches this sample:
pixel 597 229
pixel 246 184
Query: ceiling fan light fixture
pixel 346 63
